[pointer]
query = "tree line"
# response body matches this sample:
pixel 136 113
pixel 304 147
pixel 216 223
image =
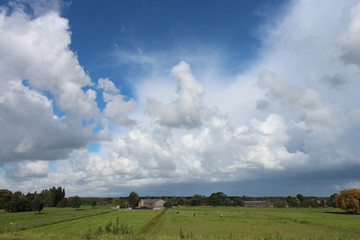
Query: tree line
pixel 221 199
pixel 53 197
pixel 348 200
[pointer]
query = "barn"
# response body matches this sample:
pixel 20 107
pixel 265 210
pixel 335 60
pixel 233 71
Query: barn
pixel 151 204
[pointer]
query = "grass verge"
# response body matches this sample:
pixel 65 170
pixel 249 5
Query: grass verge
pixel 149 227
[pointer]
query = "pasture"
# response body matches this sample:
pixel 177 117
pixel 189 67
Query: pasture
pixel 181 223
pixel 258 223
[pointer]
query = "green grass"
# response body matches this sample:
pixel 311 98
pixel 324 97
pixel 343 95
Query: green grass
pixel 325 217
pixel 180 223
pixel 77 228
pixel 150 226
pixel 257 223
pixel 48 215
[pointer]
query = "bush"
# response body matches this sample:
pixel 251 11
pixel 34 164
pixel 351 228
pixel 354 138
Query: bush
pixel 63 203
pixel 19 205
pixel 38 204
pixel 75 202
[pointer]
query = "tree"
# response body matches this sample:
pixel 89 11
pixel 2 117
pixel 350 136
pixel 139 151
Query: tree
pixel 133 199
pixel 18 203
pixel 75 202
pixel 180 201
pixel 197 200
pixel 227 202
pixel 116 201
pixel 168 203
pixel 238 202
pixel 38 204
pixel 293 202
pixel 312 202
pixel 63 203
pixel 123 203
pixel 300 197
pixel 173 200
pixel 217 199
pixel 52 196
pixel 5 196
pixel 93 203
pixel 349 200
pixel 331 202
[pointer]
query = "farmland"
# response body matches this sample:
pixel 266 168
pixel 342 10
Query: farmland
pixel 181 223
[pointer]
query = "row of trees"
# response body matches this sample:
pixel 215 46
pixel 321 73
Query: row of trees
pixel 216 199
pixel 221 199
pixel 348 199
pixel 132 200
pixel 301 201
pixel 53 197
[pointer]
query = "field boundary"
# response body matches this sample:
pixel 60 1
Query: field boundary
pixel 150 226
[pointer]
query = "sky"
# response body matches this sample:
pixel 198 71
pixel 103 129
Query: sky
pixel 256 98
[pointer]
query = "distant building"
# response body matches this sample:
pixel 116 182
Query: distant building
pixel 258 204
pixel 154 204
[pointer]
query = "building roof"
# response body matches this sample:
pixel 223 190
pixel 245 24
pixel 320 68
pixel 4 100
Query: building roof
pixel 151 203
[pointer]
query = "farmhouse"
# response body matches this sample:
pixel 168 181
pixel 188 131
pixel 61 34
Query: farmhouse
pixel 154 204
pixel 258 204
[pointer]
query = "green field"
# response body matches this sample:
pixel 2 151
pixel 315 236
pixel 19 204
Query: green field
pixel 180 223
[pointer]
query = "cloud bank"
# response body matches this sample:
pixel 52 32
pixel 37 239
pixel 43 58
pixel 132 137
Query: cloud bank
pixel 294 112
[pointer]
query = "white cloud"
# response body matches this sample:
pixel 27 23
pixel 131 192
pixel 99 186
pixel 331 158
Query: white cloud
pixel 187 110
pixel 28 169
pixel 38 50
pixel 204 131
pixel 30 130
pixel 107 85
pixel 117 108
pixel 39 73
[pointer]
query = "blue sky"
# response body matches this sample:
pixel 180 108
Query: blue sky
pixel 180 97
pixel 159 26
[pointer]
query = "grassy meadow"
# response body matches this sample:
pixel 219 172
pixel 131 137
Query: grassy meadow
pixel 180 223
pixel 258 223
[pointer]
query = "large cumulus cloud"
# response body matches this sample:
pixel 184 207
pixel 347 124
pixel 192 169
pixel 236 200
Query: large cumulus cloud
pixel 187 110
pixel 293 116
pixel 48 103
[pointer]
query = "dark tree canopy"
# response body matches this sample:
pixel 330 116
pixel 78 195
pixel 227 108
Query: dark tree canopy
pixel 52 196
pixel 133 199
pixel 5 196
pixel 18 203
pixel 238 202
pixel 331 202
pixel 219 199
pixel 38 204
pixel 180 201
pixel 197 200
pixel 75 202
pixel 93 203
pixel 349 200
